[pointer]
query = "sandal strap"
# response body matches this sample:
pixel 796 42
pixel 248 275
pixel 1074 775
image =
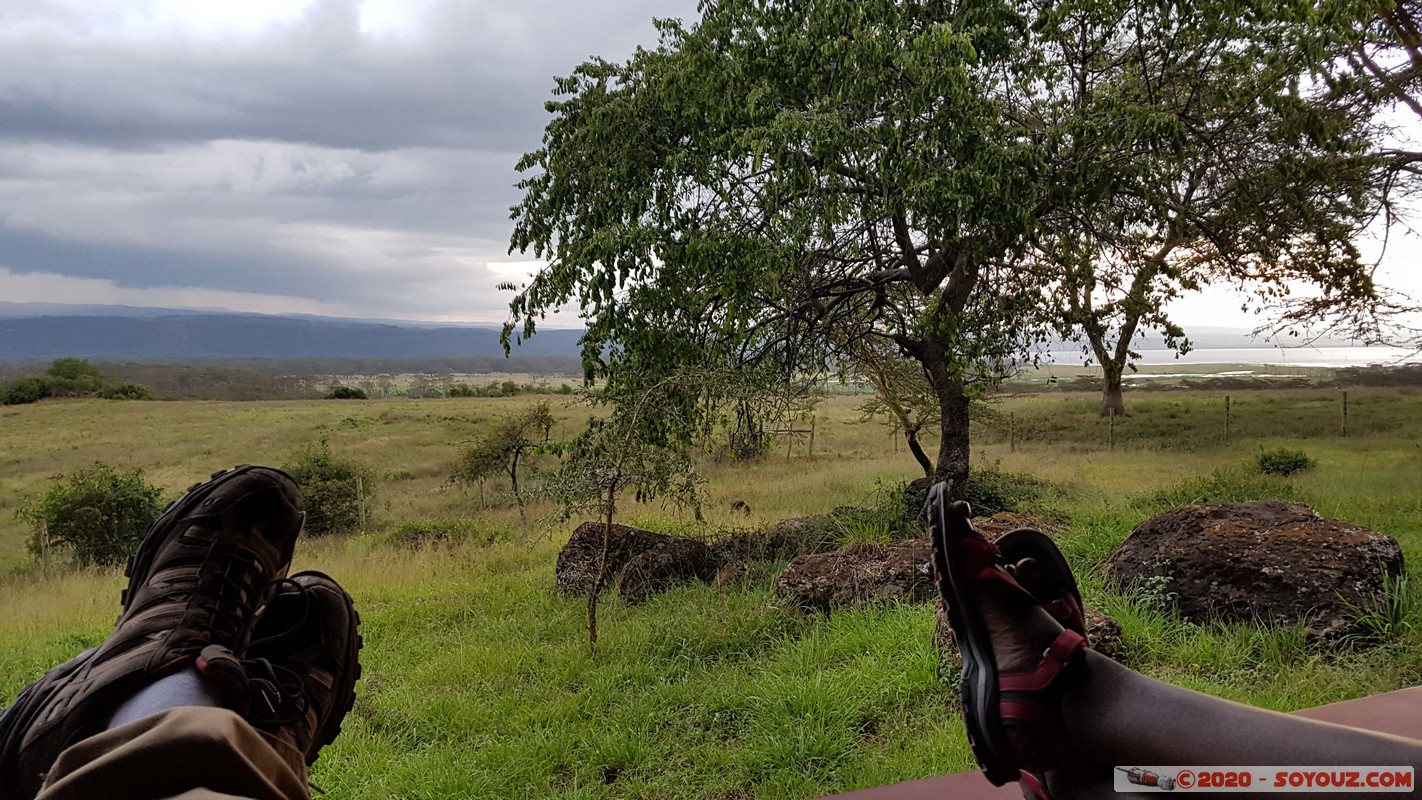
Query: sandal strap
pixel 980 544
pixel 1031 700
pixel 1067 611
pixel 980 561
pixel 1037 786
pixel 1027 714
pixel 1056 659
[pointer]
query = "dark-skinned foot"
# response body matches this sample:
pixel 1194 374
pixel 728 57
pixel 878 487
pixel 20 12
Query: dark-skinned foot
pixel 1018 661
pixel 1020 631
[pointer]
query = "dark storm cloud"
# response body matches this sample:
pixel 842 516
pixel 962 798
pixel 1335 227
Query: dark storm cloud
pixel 118 98
pixel 476 78
pixel 138 266
pixel 311 161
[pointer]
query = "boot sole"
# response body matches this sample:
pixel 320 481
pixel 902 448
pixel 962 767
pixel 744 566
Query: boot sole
pixel 328 732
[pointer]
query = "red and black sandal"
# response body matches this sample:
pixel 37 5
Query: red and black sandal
pixel 1052 583
pixel 994 700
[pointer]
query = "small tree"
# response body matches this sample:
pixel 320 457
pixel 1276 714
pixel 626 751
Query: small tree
pixel 336 489
pixel 99 514
pixel 506 448
pixel 477 463
pixel 613 455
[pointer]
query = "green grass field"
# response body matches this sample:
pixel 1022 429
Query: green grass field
pixel 478 678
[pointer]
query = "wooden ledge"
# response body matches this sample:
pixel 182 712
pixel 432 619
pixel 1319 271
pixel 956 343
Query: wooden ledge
pixel 1396 713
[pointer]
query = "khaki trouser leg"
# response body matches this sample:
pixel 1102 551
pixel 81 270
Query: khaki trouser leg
pixel 186 753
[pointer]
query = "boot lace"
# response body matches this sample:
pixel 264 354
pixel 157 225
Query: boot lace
pixel 226 593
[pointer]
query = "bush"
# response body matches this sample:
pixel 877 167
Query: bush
pixel 74 377
pixel 880 521
pixel 1283 461
pixel 346 393
pixel 24 390
pixel 71 377
pixel 127 391
pixel 990 490
pixel 431 531
pixel 78 370
pixel 99 514
pixel 337 490
pixel 1220 486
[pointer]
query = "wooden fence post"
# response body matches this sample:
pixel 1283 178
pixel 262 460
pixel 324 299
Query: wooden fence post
pixel 1012 431
pixel 44 546
pixel 812 436
pixel 1345 412
pixel 1226 418
pixel 360 500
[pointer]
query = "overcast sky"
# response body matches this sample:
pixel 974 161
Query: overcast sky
pixel 330 157
pixel 338 157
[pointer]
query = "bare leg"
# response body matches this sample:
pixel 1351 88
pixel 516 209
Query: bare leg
pixel 1114 716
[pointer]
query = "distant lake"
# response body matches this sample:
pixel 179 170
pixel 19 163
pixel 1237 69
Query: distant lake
pixel 1265 356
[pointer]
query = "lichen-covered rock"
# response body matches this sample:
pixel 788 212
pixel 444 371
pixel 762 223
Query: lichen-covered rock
pixel 1103 632
pixel 578 561
pixel 896 572
pixel 1261 561
pixel 664 566
pixel 785 539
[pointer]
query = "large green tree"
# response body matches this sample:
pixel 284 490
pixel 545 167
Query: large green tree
pixel 1259 185
pixel 784 178
pixel 1382 55
pixel 1381 70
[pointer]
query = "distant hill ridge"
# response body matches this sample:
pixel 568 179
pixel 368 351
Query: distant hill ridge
pixel 30 331
pixel 229 335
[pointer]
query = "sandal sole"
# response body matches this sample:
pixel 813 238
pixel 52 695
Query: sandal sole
pixel 978 684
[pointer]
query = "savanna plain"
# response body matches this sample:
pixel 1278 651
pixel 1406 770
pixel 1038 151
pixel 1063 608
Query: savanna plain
pixel 478 678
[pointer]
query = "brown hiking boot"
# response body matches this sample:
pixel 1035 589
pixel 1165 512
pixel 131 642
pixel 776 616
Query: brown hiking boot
pixel 305 647
pixel 194 585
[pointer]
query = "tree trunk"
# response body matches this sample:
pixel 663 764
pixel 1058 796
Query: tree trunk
pixel 1112 402
pixel 954 435
pixel 953 447
pixel 953 450
pixel 518 495
pixel 596 591
pixel 911 434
